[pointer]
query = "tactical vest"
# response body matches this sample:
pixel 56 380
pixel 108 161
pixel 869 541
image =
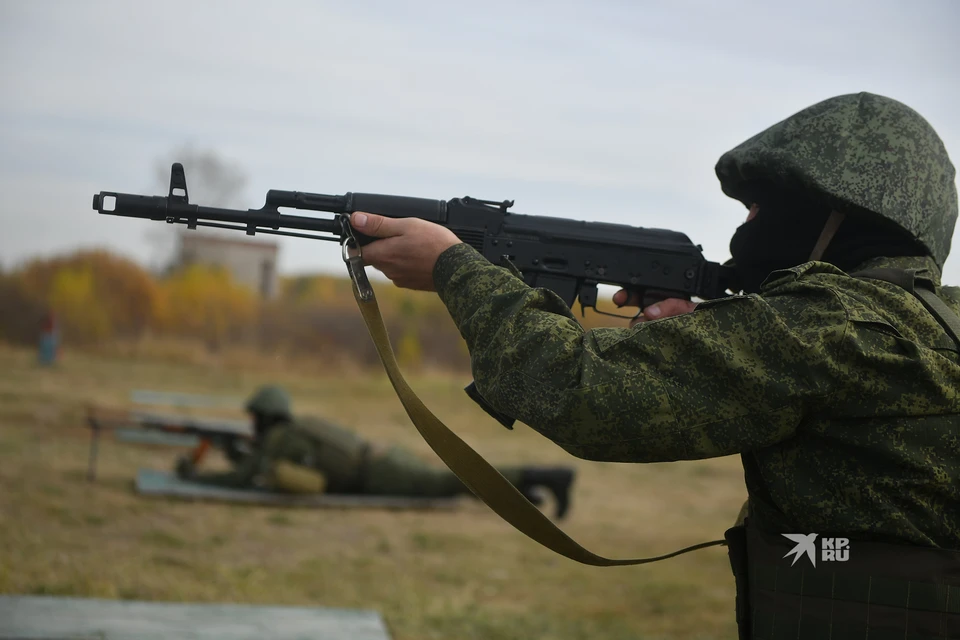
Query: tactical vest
pixel 871 590
pixel 339 454
pixel 868 591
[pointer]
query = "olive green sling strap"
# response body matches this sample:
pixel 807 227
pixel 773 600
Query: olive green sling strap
pixel 476 473
pixel 923 289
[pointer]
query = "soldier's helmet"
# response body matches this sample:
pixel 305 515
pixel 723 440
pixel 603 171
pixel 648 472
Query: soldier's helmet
pixel 270 401
pixel 861 154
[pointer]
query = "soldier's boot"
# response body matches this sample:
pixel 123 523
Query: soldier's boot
pixel 557 480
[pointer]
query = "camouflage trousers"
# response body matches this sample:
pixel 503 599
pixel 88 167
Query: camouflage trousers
pixel 398 472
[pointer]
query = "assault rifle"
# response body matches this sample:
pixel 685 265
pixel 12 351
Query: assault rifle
pixel 569 257
pixel 233 437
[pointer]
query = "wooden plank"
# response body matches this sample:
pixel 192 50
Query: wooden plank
pixel 160 483
pixel 145 396
pixel 55 618
pixel 159 438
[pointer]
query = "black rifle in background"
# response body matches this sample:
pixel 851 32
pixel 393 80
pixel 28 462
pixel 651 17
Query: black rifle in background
pixel 233 437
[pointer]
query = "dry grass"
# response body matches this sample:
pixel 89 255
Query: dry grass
pixel 463 574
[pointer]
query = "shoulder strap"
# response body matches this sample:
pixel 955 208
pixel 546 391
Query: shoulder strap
pixel 468 465
pixel 907 279
pixel 944 315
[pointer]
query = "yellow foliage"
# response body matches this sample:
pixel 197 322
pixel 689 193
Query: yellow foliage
pixel 317 290
pixel 73 297
pixel 205 302
pixel 101 297
pixel 124 292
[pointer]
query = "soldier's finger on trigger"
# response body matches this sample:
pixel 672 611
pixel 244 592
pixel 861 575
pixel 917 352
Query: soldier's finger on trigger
pixel 631 299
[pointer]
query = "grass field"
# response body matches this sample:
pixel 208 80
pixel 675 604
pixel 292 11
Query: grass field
pixel 462 574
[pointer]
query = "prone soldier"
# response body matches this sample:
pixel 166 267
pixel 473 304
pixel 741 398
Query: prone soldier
pixel 313 455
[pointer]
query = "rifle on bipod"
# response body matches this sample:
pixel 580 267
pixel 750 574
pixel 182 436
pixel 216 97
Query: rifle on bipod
pixel 569 257
pixel 233 437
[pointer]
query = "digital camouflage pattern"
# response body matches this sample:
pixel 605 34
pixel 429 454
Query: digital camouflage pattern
pixel 338 454
pixel 840 394
pixel 859 153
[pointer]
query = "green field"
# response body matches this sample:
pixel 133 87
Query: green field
pixel 460 574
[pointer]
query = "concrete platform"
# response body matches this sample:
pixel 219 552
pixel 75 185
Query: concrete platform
pixel 162 484
pixel 54 618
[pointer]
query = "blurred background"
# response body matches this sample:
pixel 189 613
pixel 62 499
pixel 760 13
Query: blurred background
pixel 602 110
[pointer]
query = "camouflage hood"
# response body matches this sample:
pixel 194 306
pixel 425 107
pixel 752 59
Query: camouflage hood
pixel 857 153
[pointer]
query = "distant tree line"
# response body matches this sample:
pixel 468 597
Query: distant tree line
pixel 99 298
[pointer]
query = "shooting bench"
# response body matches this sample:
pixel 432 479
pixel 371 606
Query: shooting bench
pixel 139 424
pixel 56 618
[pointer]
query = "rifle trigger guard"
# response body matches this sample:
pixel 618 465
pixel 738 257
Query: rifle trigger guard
pixel 612 315
pixel 354 262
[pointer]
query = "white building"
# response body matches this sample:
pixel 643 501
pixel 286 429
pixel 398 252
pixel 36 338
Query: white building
pixel 251 262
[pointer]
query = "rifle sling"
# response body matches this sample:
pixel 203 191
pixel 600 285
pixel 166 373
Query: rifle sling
pixel 923 289
pixel 476 473
pixel 947 318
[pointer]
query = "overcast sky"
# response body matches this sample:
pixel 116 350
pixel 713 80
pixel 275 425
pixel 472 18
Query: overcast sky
pixel 600 110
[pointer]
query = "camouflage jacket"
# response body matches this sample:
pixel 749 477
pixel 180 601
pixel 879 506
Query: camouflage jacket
pixel 839 394
pixel 332 451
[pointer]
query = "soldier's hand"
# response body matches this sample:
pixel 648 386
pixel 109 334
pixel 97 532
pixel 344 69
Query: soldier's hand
pixel 663 309
pixel 409 248
pixel 184 468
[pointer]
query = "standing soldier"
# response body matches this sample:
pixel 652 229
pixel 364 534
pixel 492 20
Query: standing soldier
pixel 835 375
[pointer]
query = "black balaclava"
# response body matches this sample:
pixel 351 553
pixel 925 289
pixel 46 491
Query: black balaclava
pixel 787 226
